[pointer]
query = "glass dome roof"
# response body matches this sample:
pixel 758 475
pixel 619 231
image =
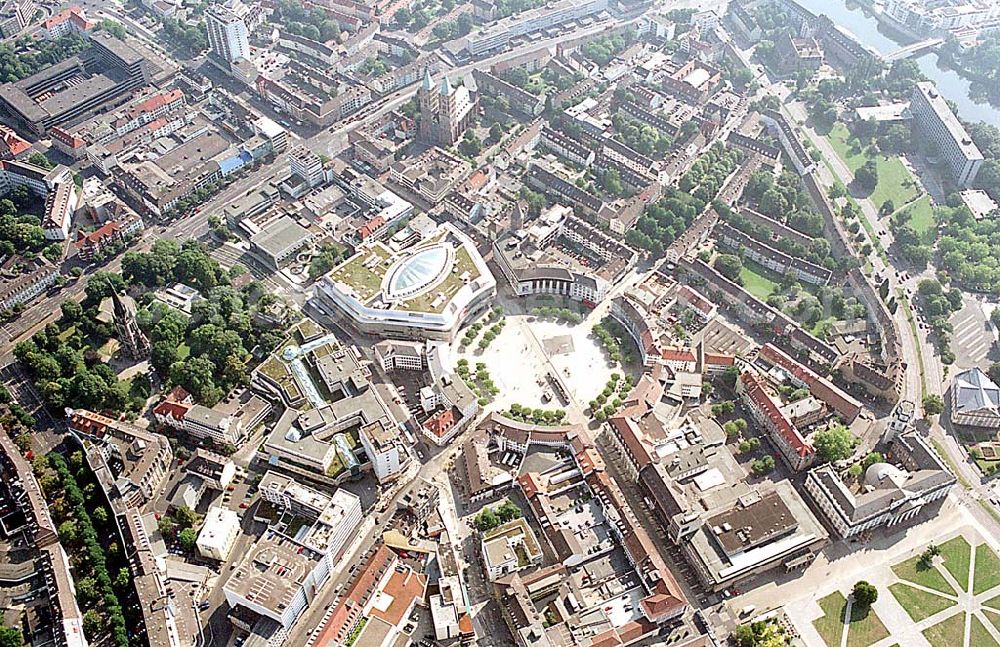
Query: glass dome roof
pixel 416 272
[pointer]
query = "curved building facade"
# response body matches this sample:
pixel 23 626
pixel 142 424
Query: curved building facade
pixel 425 291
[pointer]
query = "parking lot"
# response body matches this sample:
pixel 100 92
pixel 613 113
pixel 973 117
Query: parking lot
pixel 973 338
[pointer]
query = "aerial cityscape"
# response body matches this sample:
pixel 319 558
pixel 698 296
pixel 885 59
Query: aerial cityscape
pixel 499 323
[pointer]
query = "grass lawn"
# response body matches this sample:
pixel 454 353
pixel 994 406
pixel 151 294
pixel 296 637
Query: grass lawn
pixel 947 633
pixel 919 604
pixel 987 570
pixel 957 553
pixel 756 282
pixel 183 351
pixel 66 334
pixel 894 180
pixel 831 625
pixel 930 577
pixel 993 602
pixel 865 629
pixel 994 618
pixel 922 217
pixel 978 634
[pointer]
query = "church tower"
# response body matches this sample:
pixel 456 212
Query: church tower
pixel 428 108
pixel 128 332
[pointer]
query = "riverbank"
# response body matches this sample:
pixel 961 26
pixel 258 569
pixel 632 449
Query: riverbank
pixel 864 24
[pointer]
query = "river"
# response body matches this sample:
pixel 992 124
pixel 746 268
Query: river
pixel 863 24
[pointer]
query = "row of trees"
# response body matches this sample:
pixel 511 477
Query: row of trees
pixel 938 305
pixel 608 337
pixel 480 383
pixel 449 29
pixel 560 314
pixel 192 37
pixel 969 249
pixel 168 262
pixel 312 23
pixel 639 136
pixel 608 401
pixel 784 200
pixel 536 415
pixel 818 250
pixel 104 613
pixel 605 48
pixel 670 216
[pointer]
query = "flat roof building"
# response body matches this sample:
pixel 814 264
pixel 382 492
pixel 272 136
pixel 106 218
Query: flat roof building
pixel 426 291
pixel 218 534
pixel 70 90
pixel 277 578
pixel 279 241
pixel 936 121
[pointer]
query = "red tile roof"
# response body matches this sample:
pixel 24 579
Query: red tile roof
pixel 719 359
pixel 99 234
pixel 678 355
pixel 173 409
pixel 368 229
pixel 820 387
pixel 351 605
pixel 403 587
pixel 14 143
pixel 754 389
pixel 440 423
pixel 629 434
pixel 74 14
pixel 155 102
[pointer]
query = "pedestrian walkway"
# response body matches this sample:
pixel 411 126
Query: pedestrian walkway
pixel 905 618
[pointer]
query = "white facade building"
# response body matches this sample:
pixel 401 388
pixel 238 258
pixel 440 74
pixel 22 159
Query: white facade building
pixel 218 534
pixel 228 36
pixel 935 120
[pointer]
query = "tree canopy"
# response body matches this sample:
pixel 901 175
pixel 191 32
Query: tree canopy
pixel 834 444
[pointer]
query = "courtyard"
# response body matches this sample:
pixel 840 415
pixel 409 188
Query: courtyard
pixel 528 349
pixel 945 597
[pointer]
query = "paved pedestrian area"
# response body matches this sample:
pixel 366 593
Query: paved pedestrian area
pixel 529 348
pixel 951 599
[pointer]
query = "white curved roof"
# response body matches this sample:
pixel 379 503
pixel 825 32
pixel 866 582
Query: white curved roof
pixel 416 272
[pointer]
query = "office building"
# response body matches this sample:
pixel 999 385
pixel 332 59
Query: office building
pixel 335 518
pixel 936 122
pixel 277 578
pixel 99 78
pixel 306 165
pixel 280 241
pixel 509 548
pixel 15 16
